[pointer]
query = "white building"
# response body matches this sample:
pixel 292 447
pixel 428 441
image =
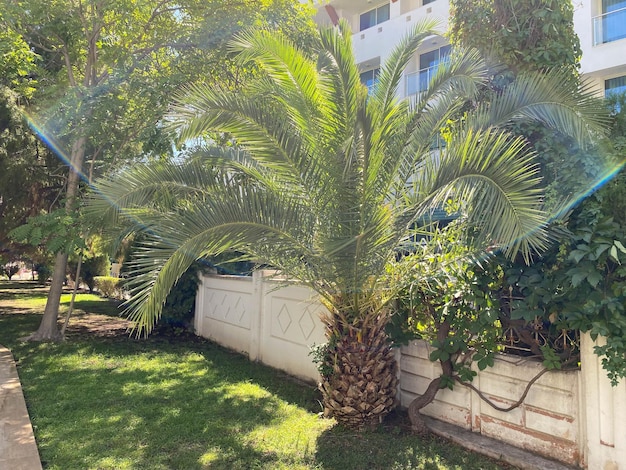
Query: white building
pixel 378 25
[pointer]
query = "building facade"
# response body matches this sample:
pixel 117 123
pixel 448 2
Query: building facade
pixel 377 26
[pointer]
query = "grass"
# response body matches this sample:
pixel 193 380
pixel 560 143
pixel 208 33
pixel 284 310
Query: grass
pixel 112 402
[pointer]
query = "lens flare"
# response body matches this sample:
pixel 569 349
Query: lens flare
pixel 48 139
pixel 600 181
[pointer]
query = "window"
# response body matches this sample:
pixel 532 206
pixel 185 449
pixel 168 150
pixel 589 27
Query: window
pixel 429 62
pixel 369 78
pixel 375 16
pixel 616 85
pixel 611 24
pixel 426 2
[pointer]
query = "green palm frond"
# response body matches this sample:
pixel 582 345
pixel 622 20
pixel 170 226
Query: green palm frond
pixel 493 175
pixel 385 91
pixel 324 182
pixel 462 74
pixel 291 76
pixel 554 99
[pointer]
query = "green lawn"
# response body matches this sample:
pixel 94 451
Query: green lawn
pixel 111 402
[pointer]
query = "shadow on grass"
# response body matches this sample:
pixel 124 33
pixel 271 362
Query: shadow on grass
pixel 394 446
pixel 157 403
pixel 154 419
pixel 15 290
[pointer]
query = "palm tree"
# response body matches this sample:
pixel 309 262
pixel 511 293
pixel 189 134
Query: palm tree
pixel 325 181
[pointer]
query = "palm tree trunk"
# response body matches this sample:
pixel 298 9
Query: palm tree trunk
pixel 362 388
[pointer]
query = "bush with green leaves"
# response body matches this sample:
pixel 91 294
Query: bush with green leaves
pixel 92 266
pixel 447 302
pixel 43 272
pixel 108 286
pixel 581 282
pixel 179 307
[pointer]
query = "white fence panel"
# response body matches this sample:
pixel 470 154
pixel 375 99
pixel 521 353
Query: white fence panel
pixel 604 408
pixel 226 311
pixel 547 422
pixel 291 325
pixel 276 326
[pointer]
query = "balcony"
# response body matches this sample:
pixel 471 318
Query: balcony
pixel 417 82
pixel 609 27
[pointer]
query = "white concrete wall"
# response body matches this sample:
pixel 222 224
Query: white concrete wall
pixel 249 315
pixel 604 409
pixel 547 422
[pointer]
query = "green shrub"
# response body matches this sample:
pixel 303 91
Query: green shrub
pixel 43 273
pixel 92 267
pixel 108 286
pixel 179 307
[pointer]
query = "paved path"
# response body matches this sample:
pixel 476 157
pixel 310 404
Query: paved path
pixel 18 450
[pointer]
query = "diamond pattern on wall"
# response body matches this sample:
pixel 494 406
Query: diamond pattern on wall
pixel 233 310
pixel 229 307
pixel 284 319
pixel 307 322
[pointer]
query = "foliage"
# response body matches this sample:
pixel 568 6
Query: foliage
pixel 520 36
pixel 107 70
pixel 523 35
pixel 43 272
pixel 17 61
pixel 92 267
pixel 447 302
pixel 10 270
pixel 94 262
pixel 324 181
pixel 57 231
pixel 108 286
pixel 316 221
pixel 581 282
pixel 29 180
pixel 180 303
pixel 578 283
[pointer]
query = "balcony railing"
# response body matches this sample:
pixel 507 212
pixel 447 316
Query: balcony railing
pixel 417 82
pixel 609 27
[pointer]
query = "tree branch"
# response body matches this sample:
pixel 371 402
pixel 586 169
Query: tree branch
pixel 492 404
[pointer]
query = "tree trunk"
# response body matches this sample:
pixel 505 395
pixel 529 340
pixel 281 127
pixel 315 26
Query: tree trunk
pixel 417 422
pixel 361 389
pixel 48 329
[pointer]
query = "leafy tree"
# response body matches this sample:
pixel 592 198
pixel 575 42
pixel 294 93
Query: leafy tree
pixel 325 182
pixel 522 35
pixel 29 181
pixel 581 282
pixel 578 283
pixel 519 36
pixel 108 68
pixel 27 169
pixel 17 61
pixel 10 270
